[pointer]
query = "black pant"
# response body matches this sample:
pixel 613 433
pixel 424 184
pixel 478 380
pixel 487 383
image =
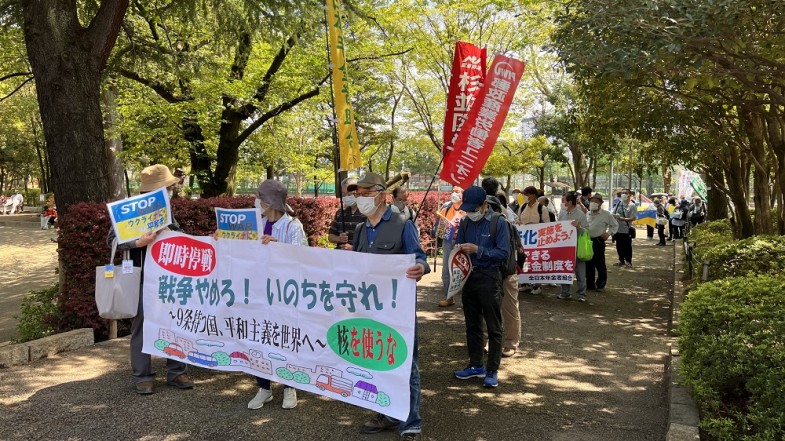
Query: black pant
pixel 482 298
pixel 661 233
pixel 597 263
pixel 624 247
pixel 649 231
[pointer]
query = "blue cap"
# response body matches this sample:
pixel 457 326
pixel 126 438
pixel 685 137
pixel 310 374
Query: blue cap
pixel 473 197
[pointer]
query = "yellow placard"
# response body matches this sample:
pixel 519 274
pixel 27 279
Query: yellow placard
pixel 348 142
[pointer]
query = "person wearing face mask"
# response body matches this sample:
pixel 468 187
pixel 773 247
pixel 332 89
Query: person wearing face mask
pixel 602 225
pixel 447 225
pixel 344 222
pixel 571 212
pixel 153 178
pixel 482 293
pixel 386 232
pixel 532 213
pixel 400 201
pixel 278 225
pixel 625 212
pixel 514 205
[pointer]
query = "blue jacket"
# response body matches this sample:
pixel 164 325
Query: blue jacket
pixel 490 253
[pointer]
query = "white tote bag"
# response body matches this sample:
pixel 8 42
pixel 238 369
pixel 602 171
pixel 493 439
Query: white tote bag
pixel 117 294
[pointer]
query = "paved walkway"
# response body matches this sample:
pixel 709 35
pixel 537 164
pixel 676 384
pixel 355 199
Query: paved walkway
pixel 586 371
pixel 28 260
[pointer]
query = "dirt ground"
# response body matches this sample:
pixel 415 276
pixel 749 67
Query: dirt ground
pixel 28 260
pixel 584 371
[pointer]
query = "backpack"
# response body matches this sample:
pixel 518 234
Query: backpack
pixel 510 266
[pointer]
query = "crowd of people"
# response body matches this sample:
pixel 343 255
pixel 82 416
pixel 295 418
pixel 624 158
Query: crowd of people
pixel 481 221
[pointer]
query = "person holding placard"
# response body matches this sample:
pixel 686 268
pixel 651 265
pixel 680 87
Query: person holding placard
pixel 153 178
pixel 277 226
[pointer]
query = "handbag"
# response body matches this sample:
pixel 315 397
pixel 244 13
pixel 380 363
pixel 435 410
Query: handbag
pixel 662 220
pixel 585 250
pixel 117 294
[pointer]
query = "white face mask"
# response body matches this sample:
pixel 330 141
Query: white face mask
pixel 594 206
pixel 455 197
pixel 367 205
pixel 625 198
pixel 349 201
pixel 475 216
pixel 258 204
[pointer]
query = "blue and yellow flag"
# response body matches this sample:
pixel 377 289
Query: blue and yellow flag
pixel 348 142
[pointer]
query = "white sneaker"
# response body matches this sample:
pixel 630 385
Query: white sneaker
pixel 536 290
pixel 289 398
pixel 263 396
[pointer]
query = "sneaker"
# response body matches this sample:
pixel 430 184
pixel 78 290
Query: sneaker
pixel 600 289
pixel 618 264
pixel 562 297
pixel 508 352
pixel 536 290
pixel 378 424
pixel 262 397
pixel 582 299
pixel 470 372
pixel 447 302
pixel 490 379
pixel 144 388
pixel 410 437
pixel 628 265
pixel 181 381
pixel 289 398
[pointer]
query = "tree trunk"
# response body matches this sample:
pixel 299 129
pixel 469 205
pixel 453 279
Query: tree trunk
pixel 735 176
pixel 67 61
pixel 114 144
pixel 717 206
pixel 667 176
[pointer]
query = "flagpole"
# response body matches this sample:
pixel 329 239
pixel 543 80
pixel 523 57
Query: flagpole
pixel 435 174
pixel 337 160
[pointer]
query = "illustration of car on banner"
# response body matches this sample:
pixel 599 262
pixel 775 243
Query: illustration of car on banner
pixel 175 350
pixel 341 386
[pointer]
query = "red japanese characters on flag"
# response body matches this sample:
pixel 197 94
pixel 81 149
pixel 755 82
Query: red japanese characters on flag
pixel 478 135
pixel 468 75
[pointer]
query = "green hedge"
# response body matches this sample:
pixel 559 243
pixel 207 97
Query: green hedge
pixel 733 356
pixel 757 255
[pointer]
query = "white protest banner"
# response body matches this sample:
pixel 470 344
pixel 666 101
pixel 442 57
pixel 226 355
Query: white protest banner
pixel 338 325
pixel 460 266
pixel 550 252
pixel 134 216
pixel 238 224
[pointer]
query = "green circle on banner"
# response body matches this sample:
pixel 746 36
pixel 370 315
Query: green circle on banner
pixel 368 344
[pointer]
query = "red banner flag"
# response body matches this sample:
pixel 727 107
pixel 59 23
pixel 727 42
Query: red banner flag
pixel 468 75
pixel 482 127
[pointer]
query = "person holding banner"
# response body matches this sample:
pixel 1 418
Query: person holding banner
pixel 532 213
pixel 277 226
pixel 153 177
pixel 571 212
pixel 602 225
pixel 447 226
pixel 482 293
pixel 341 231
pixel 386 232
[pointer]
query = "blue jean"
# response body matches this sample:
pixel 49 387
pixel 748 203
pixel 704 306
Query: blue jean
pixel 413 423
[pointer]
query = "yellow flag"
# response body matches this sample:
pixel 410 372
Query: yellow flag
pixel 348 143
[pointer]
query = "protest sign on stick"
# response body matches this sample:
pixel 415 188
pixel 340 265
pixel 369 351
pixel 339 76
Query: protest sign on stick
pixel 134 216
pixel 237 224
